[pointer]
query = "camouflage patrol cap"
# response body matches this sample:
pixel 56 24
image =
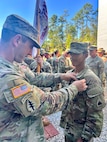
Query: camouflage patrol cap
pixel 100 50
pixel 19 25
pixel 78 47
pixel 92 47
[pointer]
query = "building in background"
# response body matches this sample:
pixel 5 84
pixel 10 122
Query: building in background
pixel 102 24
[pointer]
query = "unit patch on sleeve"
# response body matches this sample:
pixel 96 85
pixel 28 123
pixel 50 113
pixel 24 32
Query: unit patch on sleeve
pixel 20 90
pixel 30 105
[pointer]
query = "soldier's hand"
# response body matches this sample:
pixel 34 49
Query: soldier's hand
pixel 68 76
pixel 80 84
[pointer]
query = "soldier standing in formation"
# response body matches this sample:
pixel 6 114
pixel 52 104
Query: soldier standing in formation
pixel 63 63
pixel 55 61
pixel 96 64
pixel 83 118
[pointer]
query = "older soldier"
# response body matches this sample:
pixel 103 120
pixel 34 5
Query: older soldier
pixel 83 118
pixel 21 103
pixel 95 63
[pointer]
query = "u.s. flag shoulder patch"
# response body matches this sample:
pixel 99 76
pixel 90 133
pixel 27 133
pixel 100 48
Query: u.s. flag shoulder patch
pixel 20 90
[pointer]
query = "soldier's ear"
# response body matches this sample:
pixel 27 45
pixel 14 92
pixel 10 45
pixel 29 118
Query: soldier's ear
pixel 16 40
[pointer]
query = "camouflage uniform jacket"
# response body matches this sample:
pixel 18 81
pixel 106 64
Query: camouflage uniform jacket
pixel 49 60
pixel 22 105
pixel 84 116
pixel 63 65
pixel 55 61
pixel 39 79
pixel 97 66
pixel 105 69
pixel 32 63
pixel 46 67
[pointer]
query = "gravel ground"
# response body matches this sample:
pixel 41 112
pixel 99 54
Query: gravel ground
pixel 55 120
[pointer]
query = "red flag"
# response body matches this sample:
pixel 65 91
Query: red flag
pixel 41 20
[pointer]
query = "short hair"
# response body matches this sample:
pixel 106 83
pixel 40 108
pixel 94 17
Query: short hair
pixel 7 34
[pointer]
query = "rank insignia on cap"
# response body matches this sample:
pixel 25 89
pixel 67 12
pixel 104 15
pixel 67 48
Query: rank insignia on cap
pixel 30 105
pixel 20 90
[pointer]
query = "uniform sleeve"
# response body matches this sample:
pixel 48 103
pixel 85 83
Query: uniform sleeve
pixel 61 65
pixel 94 119
pixel 45 79
pixel 41 79
pixel 29 100
pixel 46 67
pixel 101 72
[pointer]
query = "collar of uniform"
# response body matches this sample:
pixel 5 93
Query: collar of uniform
pixel 6 62
pixel 80 75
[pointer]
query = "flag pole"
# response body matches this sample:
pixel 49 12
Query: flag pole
pixel 36 25
pixel 38 28
pixel 41 22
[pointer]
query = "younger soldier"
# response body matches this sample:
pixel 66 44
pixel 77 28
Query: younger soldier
pixel 83 118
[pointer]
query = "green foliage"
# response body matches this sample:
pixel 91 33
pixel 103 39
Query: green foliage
pixel 82 27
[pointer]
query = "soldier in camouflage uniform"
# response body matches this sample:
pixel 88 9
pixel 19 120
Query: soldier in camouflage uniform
pixel 55 61
pixel 21 103
pixel 48 58
pixel 96 64
pixel 100 52
pixel 33 63
pixel 83 118
pixel 63 63
pixel 46 67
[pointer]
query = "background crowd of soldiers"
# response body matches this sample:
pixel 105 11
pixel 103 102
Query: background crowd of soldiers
pixel 61 63
pixel 57 62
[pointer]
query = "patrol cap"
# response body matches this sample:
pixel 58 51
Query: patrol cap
pixel 78 47
pixel 100 50
pixel 92 47
pixel 19 25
